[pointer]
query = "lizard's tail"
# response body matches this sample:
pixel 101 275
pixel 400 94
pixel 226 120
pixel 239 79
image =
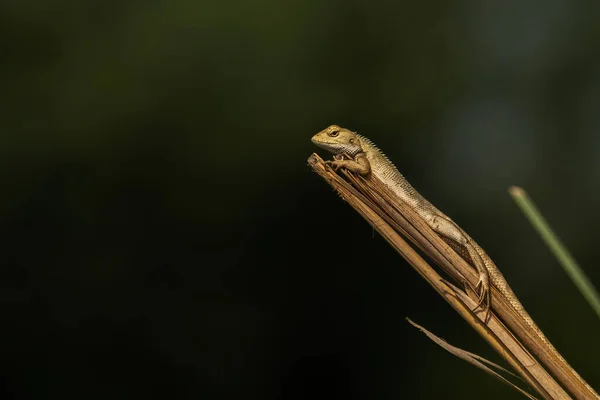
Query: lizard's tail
pixel 500 283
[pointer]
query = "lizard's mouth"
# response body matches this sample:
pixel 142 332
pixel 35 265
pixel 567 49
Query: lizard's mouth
pixel 318 140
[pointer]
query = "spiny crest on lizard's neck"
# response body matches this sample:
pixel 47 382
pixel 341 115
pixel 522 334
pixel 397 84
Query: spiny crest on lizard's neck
pixel 369 145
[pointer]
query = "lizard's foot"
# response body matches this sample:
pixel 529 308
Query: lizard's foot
pixel 484 295
pixel 483 286
pixel 359 165
pixel 338 160
pixel 335 164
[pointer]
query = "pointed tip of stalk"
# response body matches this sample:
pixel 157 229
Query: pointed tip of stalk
pixel 516 191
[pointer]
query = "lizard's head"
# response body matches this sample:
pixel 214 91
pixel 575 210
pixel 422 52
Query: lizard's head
pixel 338 140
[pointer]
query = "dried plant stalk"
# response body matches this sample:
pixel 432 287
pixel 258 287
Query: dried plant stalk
pixel 425 236
pixel 370 198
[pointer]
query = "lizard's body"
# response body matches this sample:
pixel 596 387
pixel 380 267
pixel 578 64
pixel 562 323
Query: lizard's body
pixel 365 157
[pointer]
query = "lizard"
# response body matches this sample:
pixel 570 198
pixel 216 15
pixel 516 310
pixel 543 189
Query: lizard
pixel 363 157
pixel 360 155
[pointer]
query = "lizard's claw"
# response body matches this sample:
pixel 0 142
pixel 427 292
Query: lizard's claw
pixel 484 295
pixel 342 156
pixel 338 161
pixel 335 164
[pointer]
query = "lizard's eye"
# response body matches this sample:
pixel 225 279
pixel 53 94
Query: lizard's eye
pixel 334 133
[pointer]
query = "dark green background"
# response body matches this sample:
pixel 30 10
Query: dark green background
pixel 162 236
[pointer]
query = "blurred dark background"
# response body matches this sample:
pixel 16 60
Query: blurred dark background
pixel 163 237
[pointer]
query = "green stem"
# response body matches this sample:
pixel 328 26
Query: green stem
pixel 561 253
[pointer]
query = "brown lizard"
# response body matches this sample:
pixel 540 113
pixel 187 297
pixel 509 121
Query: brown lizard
pixel 359 155
pixel 365 157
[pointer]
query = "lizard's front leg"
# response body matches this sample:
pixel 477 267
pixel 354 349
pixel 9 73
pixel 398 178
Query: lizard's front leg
pixel 359 165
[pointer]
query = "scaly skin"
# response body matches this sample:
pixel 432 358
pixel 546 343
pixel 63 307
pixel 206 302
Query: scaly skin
pixel 366 158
